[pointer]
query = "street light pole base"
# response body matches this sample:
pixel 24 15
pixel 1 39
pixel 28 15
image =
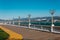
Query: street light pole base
pixel 52 27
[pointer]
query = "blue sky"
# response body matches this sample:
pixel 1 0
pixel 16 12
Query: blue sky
pixel 37 8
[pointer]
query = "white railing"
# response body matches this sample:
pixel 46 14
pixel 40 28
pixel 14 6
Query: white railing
pixel 34 27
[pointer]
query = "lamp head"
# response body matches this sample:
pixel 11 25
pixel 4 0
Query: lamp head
pixel 52 12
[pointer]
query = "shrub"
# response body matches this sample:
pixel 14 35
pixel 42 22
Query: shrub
pixel 3 35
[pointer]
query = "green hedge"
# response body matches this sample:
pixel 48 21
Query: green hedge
pixel 3 35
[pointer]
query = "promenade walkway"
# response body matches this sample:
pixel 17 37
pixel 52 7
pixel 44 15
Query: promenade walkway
pixel 30 34
pixel 13 35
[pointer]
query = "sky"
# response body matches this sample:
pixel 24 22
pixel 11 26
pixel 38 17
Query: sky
pixel 10 9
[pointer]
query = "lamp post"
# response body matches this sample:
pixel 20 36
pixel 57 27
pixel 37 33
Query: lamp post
pixel 19 20
pixel 52 13
pixel 29 20
pixel 9 21
pixel 13 21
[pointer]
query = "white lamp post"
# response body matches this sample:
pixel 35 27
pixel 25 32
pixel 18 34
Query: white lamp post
pixel 13 21
pixel 9 21
pixel 19 21
pixel 52 12
pixel 29 20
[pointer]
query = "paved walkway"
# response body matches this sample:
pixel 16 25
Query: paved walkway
pixel 13 35
pixel 29 34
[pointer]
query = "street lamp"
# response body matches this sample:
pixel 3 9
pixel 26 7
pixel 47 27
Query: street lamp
pixel 52 13
pixel 19 20
pixel 9 21
pixel 29 20
pixel 13 21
